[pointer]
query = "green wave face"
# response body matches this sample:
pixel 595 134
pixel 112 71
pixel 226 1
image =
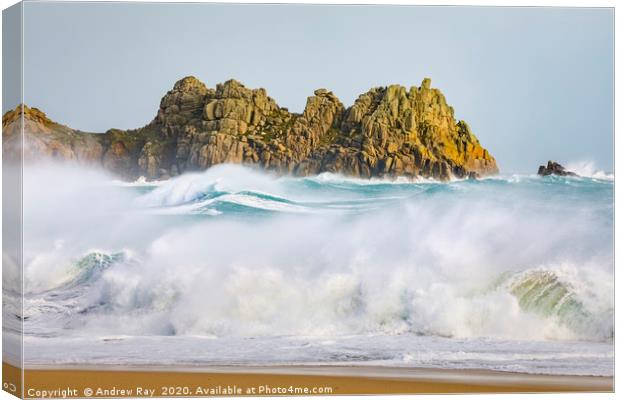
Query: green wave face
pixel 543 293
pixel 92 264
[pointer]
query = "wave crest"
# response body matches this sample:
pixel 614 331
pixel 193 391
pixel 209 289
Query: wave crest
pixel 423 258
pixel 588 169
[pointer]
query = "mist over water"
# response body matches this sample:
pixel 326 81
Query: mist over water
pixel 233 253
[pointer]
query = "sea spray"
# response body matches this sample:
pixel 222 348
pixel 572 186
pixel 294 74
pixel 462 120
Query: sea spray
pixel 247 254
pixel 588 169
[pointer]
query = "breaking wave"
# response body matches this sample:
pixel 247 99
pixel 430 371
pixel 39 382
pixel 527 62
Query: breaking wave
pixel 543 303
pixel 228 189
pixel 244 253
pixel 589 170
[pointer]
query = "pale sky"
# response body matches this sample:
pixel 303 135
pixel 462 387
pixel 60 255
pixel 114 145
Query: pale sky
pixel 533 83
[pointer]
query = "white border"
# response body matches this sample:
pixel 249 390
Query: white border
pixel 489 3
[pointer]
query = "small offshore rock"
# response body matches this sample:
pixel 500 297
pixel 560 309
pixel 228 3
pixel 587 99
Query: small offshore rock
pixel 554 168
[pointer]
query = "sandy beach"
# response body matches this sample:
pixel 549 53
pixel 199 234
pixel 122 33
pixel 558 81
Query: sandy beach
pixel 105 381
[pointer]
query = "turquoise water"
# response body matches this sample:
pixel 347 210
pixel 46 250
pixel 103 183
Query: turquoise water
pixel 418 273
pixel 328 193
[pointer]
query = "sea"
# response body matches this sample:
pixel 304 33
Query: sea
pixel 235 266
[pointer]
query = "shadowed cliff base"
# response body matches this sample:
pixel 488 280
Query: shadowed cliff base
pixel 389 131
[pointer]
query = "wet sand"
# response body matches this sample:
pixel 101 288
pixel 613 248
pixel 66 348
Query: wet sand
pixel 106 381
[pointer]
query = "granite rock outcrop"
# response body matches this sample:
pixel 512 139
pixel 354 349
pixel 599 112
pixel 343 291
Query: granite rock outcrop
pixel 554 168
pixel 388 131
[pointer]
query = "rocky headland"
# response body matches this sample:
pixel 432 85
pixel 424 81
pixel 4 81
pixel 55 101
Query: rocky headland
pixel 388 131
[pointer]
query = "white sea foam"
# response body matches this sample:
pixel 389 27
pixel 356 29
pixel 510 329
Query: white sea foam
pixel 140 182
pixel 221 178
pixel 588 169
pixel 442 260
pixel 563 358
pixel 330 177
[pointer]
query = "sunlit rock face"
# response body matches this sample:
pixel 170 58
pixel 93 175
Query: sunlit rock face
pixel 388 131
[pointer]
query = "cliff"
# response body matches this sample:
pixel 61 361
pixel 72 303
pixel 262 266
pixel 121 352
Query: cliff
pixel 388 131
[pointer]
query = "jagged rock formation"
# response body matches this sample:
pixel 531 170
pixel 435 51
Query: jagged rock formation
pixel 554 168
pixel 388 131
